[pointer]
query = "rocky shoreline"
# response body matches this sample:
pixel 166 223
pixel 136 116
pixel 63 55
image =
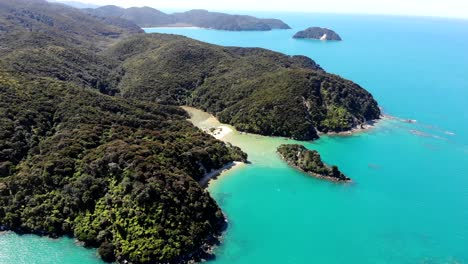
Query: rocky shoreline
pixel 319 176
pixel 359 128
pixel 310 162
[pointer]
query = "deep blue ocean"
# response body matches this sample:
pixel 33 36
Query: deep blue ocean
pixel 408 202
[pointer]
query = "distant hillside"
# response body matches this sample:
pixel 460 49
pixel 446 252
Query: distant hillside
pixel 150 17
pixel 54 40
pixel 74 4
pixel 214 20
pixel 36 22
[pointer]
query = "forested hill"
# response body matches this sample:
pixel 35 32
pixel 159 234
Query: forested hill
pixel 118 174
pixel 255 90
pixel 92 142
pixel 44 39
pixel 150 17
pixel 36 21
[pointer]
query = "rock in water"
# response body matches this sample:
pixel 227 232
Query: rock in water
pixel 309 161
pixel 318 33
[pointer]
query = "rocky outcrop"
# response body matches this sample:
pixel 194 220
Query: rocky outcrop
pixel 317 33
pixel 309 161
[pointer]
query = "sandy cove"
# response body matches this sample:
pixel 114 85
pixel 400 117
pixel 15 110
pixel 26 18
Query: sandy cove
pixel 215 173
pixel 219 132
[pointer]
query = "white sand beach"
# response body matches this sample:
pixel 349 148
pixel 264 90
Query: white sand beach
pixel 219 132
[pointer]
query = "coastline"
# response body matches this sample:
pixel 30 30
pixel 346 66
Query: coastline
pixel 169 26
pixel 208 123
pixel 315 175
pixel 212 175
pixel 211 125
pixel 224 132
pixel 360 128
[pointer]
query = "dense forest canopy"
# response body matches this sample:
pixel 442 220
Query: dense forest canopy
pixel 118 174
pixel 113 172
pixel 255 90
pixel 93 143
pixel 309 161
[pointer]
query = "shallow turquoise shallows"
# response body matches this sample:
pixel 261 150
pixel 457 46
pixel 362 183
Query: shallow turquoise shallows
pixel 25 249
pixel 408 202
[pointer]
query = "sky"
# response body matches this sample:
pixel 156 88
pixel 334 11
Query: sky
pixel 440 8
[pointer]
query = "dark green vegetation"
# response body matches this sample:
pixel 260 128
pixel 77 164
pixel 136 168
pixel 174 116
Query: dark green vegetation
pixel 150 17
pixel 92 143
pixel 116 173
pixel 255 90
pixel 317 33
pixel 310 162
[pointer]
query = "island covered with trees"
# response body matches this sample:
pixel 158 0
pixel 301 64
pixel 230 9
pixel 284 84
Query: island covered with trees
pixel 317 33
pixel 150 17
pixel 309 161
pixel 93 143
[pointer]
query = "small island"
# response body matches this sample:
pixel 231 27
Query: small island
pixel 317 33
pixel 309 161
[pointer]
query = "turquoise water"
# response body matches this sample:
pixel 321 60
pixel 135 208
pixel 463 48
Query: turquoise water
pixel 26 249
pixel 407 204
pixel 409 199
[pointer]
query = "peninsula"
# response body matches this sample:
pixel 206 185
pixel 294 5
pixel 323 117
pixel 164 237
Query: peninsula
pixel 317 33
pixel 309 161
pixel 150 17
